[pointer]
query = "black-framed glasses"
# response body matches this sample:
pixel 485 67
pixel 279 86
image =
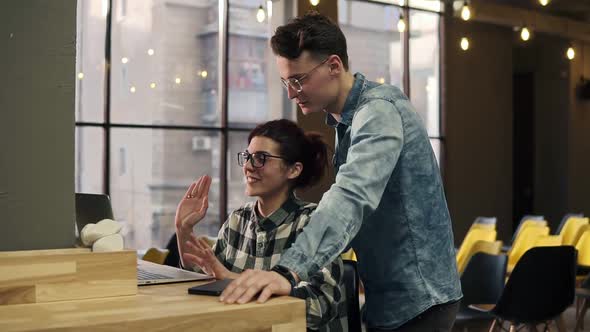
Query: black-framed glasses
pixel 297 83
pixel 257 159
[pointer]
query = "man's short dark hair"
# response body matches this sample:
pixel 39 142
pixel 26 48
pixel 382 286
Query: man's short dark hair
pixel 312 32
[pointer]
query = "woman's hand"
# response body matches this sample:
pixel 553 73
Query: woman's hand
pixel 199 253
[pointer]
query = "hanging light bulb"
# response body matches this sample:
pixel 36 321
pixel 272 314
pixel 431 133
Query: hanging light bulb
pixel 260 14
pixel 132 89
pixel 314 2
pixel 80 75
pixel 544 2
pixel 465 11
pixel 401 23
pixel 150 52
pixel 570 53
pixel 525 34
pixel 124 60
pixel 153 85
pixel 177 80
pixel 464 43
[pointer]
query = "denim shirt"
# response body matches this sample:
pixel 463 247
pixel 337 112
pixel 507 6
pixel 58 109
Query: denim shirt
pixel 388 203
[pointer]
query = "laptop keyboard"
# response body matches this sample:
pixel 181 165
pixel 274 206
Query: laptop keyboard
pixel 144 275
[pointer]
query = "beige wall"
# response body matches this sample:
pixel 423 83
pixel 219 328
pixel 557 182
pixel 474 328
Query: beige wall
pixel 478 106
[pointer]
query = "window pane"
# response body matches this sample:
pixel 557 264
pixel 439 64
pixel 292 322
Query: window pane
pixel 424 68
pixel 375 46
pixel 164 68
pixel 436 6
pixel 238 141
pixel 150 172
pixel 90 53
pixel 255 93
pixel 89 159
pixel 436 146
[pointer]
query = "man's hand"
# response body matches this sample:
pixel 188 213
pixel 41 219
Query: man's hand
pixel 251 282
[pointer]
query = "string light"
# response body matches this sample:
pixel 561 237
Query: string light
pixel 260 14
pixel 132 89
pixel 465 11
pixel 80 76
pixel 570 53
pixel 314 2
pixel 525 34
pixel 177 80
pixel 124 60
pixel 153 85
pixel 464 43
pixel 150 52
pixel 203 74
pixel 401 24
pixel 544 2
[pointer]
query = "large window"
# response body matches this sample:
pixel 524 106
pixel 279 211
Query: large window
pixel 154 122
pixel 168 90
pixel 409 60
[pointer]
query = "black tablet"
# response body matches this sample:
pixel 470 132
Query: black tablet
pixel 213 288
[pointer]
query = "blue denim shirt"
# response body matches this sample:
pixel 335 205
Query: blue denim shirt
pixel 388 203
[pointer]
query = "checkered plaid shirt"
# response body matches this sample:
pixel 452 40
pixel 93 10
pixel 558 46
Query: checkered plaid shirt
pixel 247 241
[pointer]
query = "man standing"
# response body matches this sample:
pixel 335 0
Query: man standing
pixel 387 201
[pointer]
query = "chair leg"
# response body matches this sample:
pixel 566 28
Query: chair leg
pixel 560 322
pixel 493 326
pixel 580 322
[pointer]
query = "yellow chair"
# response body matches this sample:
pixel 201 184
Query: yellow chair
pixel 526 240
pixel 483 226
pixel 570 230
pixel 583 246
pixel 349 255
pixel 155 255
pixel 474 235
pixel 548 241
pixel 581 232
pixel 490 248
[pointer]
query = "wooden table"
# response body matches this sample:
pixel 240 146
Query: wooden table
pixel 156 308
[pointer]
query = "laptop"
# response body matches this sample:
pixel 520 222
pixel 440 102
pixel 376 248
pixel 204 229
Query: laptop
pixel 92 208
pixel 149 273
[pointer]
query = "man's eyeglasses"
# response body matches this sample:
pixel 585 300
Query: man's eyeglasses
pixel 257 159
pixel 297 83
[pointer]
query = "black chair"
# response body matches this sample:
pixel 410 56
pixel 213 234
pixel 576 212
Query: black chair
pixel 539 290
pixel 92 208
pixel 351 284
pixel 482 282
pixel 583 294
pixel 173 257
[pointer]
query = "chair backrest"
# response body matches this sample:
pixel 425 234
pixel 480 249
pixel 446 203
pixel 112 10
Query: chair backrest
pixel 491 248
pixel 483 279
pixel 473 236
pixel 351 283
pixel 541 286
pixel 523 221
pixel 570 230
pixel 548 241
pixel 525 241
pixel 526 224
pixel 565 219
pixel 486 220
pixel 92 208
pixel 583 246
pixel 155 255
